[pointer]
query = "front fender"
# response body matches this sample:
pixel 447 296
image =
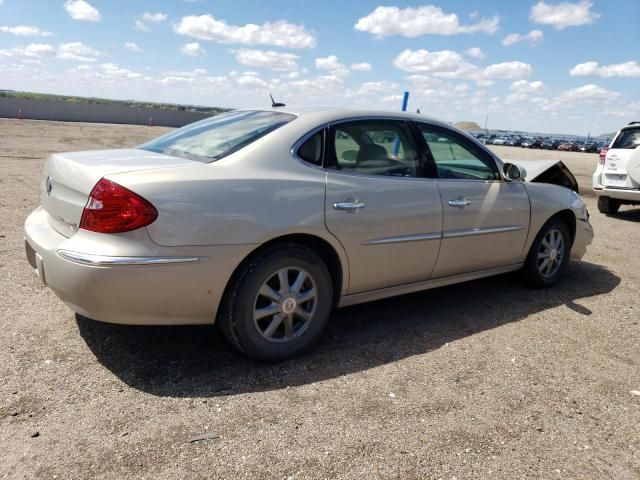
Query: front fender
pixel 548 200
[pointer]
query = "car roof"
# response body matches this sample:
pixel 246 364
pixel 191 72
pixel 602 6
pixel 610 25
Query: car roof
pixel 327 114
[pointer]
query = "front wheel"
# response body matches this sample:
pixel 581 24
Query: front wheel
pixel 279 303
pixel 608 205
pixel 549 255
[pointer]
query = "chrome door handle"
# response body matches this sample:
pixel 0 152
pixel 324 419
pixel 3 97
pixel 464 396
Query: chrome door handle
pixel 349 206
pixel 459 202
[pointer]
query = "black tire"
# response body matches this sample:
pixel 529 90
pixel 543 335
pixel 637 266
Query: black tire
pixel 237 310
pixel 532 272
pixel 608 205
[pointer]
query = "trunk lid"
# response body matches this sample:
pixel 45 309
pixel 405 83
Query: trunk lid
pixel 69 178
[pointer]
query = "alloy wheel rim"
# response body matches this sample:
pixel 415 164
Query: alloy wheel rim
pixel 551 253
pixel 285 305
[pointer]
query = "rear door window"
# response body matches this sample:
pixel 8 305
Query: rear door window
pixel 374 147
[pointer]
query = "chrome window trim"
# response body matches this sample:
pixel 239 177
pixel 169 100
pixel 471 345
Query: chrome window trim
pixel 404 238
pixel 105 260
pixel 467 180
pixel 482 231
pixel 377 177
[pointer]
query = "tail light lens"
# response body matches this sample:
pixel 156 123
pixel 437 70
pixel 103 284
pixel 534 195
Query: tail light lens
pixel 603 155
pixel 111 208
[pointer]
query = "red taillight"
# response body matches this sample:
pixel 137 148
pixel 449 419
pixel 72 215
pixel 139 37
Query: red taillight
pixel 603 155
pixel 114 209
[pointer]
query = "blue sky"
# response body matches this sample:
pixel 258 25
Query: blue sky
pixel 566 67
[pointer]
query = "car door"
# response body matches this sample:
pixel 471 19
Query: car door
pixel 385 213
pixel 485 218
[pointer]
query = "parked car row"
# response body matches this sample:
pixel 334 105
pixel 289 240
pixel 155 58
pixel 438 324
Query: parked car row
pixel 541 143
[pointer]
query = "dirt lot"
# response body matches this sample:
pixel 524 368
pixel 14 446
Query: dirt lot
pixel 486 379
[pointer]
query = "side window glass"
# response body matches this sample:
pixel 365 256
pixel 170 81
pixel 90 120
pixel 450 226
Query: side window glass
pixel 375 147
pixel 311 150
pixel 454 160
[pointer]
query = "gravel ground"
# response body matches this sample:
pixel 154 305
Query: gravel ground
pixel 487 379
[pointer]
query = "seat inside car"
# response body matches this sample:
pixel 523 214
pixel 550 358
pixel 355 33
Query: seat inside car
pixel 372 152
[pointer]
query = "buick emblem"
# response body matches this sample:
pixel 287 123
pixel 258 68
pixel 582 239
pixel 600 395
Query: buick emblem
pixel 49 185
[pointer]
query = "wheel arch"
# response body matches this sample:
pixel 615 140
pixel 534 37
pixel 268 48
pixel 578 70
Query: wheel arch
pixel 569 217
pixel 548 202
pixel 335 260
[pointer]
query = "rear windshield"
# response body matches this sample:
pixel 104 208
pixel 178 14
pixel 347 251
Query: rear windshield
pixel 216 137
pixel 629 138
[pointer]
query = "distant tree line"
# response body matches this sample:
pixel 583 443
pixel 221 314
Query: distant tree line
pixel 105 101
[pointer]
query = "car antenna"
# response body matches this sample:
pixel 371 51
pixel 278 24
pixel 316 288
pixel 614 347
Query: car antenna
pixel 275 104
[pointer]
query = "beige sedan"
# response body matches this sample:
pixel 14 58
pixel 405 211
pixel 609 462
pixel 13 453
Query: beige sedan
pixel 265 220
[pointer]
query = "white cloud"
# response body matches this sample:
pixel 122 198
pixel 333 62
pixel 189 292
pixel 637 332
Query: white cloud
pixel 564 14
pixel 441 63
pixel 280 33
pixel 148 17
pixel 250 79
pixel 593 69
pixel 424 20
pixel 113 71
pixel 81 10
pixel 65 51
pixel 475 52
pixel 77 51
pixel 451 65
pixel 508 71
pixel 267 59
pixel 133 47
pixel 193 49
pixel 154 17
pixel 33 50
pixel 532 38
pixel 392 98
pixel 25 31
pixel 587 93
pixel 333 65
pixel 361 67
pixel 140 25
pixel 522 91
pixel 369 88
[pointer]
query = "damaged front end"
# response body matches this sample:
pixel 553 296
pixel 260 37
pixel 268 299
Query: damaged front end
pixel 554 172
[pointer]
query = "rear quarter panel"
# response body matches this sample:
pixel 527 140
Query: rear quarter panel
pixel 249 198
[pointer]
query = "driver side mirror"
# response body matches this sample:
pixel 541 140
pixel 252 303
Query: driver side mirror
pixel 514 172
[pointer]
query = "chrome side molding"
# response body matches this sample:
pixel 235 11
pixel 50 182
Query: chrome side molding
pixel 482 231
pixel 404 238
pixel 104 260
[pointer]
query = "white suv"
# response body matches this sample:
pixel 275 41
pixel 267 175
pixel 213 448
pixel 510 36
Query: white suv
pixel 616 181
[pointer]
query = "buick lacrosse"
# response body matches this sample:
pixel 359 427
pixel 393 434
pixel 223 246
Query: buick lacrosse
pixel 265 220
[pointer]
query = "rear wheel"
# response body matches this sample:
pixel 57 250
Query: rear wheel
pixel 608 205
pixel 549 255
pixel 279 303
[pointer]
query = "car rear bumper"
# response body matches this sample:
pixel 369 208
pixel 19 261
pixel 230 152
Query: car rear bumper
pixel 618 193
pixel 150 286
